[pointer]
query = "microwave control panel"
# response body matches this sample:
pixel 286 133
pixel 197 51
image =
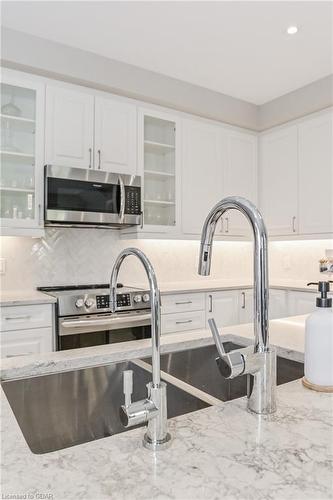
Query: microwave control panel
pixel 132 200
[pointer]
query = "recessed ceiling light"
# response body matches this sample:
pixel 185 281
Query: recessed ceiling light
pixel 292 30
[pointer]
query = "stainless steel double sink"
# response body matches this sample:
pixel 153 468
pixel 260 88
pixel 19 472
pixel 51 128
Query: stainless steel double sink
pixel 65 409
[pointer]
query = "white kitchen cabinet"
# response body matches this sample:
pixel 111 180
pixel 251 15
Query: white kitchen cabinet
pixel 69 127
pixel 89 131
pixel 22 154
pixel 26 329
pixel 182 312
pixel 278 306
pixel 182 321
pixel 223 307
pixel 183 302
pixel 278 181
pixel 301 302
pixel 316 174
pixel 159 164
pixel 25 342
pixel 239 178
pixel 115 136
pixel 204 152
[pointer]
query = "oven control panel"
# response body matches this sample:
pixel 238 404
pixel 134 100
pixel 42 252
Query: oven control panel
pixel 123 300
pixel 103 301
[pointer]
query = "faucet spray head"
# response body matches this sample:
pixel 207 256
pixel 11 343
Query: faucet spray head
pixel 205 259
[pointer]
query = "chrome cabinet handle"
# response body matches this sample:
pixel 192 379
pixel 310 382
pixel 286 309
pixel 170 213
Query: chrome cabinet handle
pixel 182 322
pixel 210 309
pixel 15 318
pixel 107 321
pixel 294 224
pixel 40 221
pixel 227 225
pixel 184 302
pixel 122 198
pixel 243 300
pixel 99 159
pixel 142 221
pixel 16 355
pixel 90 153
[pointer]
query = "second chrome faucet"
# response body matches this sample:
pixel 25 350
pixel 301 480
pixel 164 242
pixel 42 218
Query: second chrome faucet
pixel 153 409
pixel 258 360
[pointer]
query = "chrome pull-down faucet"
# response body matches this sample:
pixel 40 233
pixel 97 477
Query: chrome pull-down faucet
pixel 153 409
pixel 260 360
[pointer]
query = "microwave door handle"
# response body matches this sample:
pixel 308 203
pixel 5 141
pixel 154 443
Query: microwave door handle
pixel 122 199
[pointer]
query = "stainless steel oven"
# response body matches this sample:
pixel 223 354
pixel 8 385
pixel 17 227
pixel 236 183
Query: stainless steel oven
pixel 79 197
pixel 84 319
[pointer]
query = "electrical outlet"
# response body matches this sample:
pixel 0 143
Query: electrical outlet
pixel 2 266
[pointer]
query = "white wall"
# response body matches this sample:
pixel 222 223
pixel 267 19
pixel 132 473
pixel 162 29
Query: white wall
pixel 32 54
pixel 73 256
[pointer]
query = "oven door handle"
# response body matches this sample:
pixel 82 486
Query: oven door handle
pixel 77 323
pixel 122 199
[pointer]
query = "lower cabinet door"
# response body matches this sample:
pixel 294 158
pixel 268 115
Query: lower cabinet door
pixel 301 303
pixel 185 321
pixel 223 307
pixel 25 342
pixel 278 307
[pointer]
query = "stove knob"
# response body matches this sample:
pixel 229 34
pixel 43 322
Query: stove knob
pixel 89 302
pixel 79 303
pixel 146 297
pixel 137 299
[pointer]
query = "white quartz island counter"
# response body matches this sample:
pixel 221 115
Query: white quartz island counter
pixel 220 452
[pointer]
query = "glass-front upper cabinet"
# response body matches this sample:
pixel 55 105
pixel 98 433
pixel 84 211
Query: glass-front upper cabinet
pixel 159 159
pixel 21 178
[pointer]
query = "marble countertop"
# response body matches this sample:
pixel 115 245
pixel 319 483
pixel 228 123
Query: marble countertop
pixel 203 284
pixel 29 297
pixel 287 334
pixel 220 452
pixel 24 298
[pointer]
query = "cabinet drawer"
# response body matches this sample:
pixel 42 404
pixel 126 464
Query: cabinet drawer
pixel 25 317
pixel 183 321
pixel 21 343
pixel 183 302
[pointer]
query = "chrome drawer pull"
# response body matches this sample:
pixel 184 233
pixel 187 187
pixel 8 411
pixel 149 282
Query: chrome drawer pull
pixel 185 302
pixel 11 318
pixel 182 322
pixel 17 355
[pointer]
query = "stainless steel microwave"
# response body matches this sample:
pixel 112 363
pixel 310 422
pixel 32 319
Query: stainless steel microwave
pixel 78 197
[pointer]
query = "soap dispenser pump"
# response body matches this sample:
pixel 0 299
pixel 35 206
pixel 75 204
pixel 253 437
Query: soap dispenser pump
pixel 318 357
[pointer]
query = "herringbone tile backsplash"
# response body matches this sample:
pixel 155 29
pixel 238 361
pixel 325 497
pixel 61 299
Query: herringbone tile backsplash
pixel 71 256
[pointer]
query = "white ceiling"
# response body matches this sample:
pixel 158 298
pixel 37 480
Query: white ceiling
pixel 237 48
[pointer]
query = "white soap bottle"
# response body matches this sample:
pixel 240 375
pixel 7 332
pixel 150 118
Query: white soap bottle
pixel 318 356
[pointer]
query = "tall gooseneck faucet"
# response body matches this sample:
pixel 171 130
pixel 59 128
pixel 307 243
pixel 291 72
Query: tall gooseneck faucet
pixel 259 361
pixel 153 409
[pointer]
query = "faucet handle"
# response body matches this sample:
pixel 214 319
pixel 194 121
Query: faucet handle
pixel 128 386
pixel 216 336
pixel 230 364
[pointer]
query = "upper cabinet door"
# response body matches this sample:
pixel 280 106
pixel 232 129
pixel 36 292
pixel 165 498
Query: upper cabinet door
pixel 69 130
pixel 201 174
pixel 240 178
pixel 115 136
pixel 316 175
pixel 22 154
pixel 278 185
